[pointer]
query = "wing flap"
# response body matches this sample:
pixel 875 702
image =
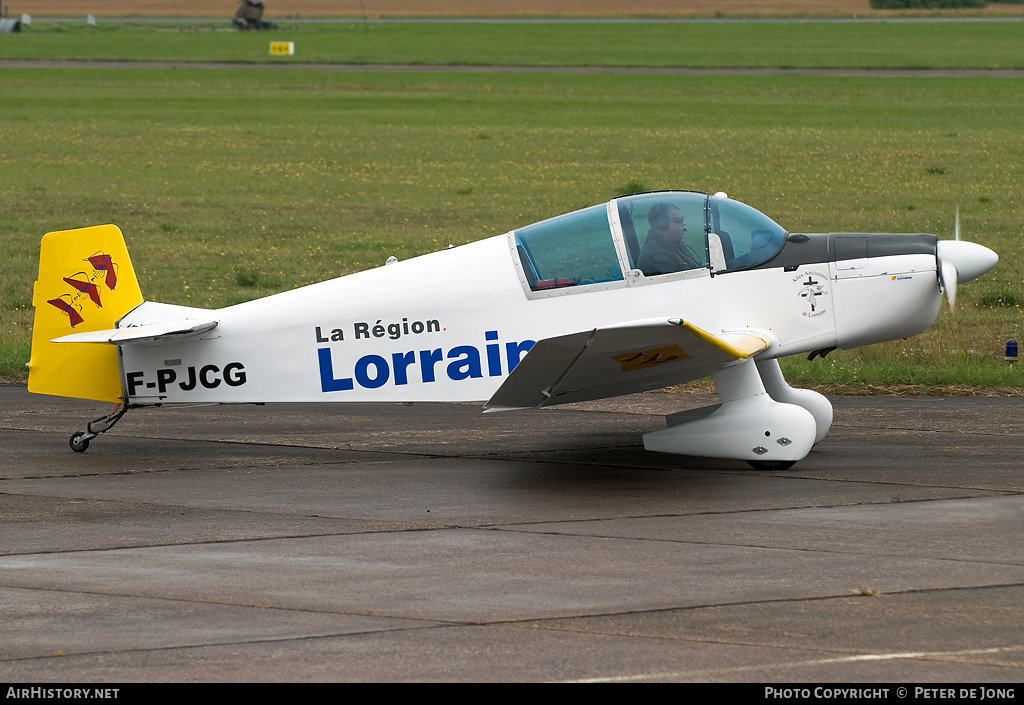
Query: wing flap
pixel 621 359
pixel 148 333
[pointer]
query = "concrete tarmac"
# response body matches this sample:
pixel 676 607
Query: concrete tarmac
pixel 433 542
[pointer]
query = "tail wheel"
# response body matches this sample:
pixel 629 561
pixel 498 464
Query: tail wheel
pixel 78 442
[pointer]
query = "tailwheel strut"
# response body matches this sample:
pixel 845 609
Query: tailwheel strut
pixel 79 440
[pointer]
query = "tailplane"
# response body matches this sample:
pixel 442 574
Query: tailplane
pixel 86 283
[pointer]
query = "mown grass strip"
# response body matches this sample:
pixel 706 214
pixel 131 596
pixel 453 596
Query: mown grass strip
pixel 896 45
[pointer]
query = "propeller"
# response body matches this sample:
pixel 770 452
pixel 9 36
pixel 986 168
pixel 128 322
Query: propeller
pixel 960 261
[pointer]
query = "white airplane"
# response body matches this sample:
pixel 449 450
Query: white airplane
pixel 640 293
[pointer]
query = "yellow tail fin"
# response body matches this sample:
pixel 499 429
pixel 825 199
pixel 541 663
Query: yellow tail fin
pixel 86 283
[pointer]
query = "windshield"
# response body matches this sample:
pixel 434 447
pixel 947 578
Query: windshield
pixel 748 236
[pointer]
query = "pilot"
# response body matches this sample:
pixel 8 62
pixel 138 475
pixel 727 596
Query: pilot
pixel 664 250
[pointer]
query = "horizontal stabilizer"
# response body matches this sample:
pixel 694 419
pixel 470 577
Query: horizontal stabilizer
pixel 141 334
pixel 621 359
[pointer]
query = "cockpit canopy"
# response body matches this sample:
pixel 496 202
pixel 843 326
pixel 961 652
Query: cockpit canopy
pixel 651 235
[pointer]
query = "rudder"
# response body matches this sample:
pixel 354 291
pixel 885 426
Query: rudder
pixel 86 283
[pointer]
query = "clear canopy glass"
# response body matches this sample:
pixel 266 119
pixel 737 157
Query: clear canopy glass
pixel 662 234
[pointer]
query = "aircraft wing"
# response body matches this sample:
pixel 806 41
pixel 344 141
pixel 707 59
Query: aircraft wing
pixel 621 359
pixel 141 334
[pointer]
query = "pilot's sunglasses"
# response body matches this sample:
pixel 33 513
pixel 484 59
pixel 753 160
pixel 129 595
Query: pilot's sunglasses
pixel 680 219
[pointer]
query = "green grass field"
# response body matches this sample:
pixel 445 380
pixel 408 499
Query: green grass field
pixel 236 183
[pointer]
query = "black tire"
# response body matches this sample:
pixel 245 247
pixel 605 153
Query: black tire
pixel 78 443
pixel 768 465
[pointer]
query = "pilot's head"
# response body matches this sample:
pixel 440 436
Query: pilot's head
pixel 667 220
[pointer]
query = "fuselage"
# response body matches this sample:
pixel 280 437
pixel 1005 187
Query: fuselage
pixel 450 326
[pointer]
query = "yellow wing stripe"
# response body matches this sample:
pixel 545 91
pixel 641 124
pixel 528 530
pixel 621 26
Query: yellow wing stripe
pixel 741 348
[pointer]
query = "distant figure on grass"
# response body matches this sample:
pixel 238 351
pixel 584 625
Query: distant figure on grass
pixel 249 15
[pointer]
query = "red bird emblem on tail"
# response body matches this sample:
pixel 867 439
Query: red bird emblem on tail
pixel 103 263
pixel 86 287
pixel 67 308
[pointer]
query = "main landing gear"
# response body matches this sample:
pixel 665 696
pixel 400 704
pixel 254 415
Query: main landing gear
pixel 761 420
pixel 79 440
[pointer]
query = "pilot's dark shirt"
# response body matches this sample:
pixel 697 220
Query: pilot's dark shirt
pixel 660 257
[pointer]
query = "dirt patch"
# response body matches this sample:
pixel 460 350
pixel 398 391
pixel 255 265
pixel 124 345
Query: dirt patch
pixel 914 390
pixel 282 9
pixel 706 386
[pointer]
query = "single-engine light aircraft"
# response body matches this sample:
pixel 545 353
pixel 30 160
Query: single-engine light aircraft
pixel 640 293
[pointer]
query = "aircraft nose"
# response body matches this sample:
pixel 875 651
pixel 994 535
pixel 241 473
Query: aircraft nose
pixel 970 259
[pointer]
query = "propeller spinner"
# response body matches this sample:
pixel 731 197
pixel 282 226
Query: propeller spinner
pixel 960 261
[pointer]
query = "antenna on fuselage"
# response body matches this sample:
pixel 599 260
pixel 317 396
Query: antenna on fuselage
pixel 444 218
